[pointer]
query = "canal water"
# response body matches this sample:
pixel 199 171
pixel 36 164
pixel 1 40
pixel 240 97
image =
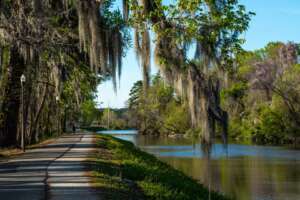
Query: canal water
pixel 244 172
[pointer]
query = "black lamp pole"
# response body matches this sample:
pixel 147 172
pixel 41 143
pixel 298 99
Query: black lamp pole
pixel 23 79
pixel 58 116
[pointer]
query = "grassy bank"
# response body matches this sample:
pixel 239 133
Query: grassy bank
pixel 129 173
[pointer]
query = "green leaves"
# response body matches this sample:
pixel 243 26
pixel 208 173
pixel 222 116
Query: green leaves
pixel 236 91
pixel 264 94
pixel 159 111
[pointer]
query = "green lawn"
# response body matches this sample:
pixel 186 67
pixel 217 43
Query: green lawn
pixel 129 173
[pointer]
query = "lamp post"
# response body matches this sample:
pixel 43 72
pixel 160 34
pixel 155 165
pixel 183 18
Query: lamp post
pixel 66 107
pixel 57 102
pixel 23 80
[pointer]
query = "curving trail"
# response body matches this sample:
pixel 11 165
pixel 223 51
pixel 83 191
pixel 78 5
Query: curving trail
pixel 60 170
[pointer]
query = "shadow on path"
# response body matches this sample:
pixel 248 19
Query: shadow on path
pixel 61 170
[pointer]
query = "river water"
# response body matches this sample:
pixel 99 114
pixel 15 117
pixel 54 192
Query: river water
pixel 244 172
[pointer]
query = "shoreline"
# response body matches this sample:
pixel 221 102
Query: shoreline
pixel 134 174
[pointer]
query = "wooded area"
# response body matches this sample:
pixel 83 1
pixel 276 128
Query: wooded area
pixel 208 85
pixel 261 98
pixel 64 49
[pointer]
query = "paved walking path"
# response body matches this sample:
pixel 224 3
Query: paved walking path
pixel 60 170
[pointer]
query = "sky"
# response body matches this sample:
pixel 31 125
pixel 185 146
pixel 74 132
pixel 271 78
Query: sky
pixel 275 20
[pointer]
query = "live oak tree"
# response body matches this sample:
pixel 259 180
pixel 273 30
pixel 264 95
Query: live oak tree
pixel 213 29
pixel 62 47
pixel 48 39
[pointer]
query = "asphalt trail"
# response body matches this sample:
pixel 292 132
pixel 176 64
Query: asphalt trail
pixel 60 170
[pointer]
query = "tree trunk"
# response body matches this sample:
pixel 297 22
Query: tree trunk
pixel 37 115
pixel 9 109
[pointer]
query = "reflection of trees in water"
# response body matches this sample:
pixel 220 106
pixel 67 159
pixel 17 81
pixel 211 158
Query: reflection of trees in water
pixel 244 178
pixel 210 171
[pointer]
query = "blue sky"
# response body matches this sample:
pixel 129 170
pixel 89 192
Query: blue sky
pixel 275 20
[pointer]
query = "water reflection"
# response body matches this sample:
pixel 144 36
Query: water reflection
pixel 246 172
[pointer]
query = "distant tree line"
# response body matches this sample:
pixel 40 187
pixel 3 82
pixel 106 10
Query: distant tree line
pixel 263 95
pixel 262 99
pixel 159 111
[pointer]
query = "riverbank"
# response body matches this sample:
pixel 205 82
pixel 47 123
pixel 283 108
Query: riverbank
pixel 133 174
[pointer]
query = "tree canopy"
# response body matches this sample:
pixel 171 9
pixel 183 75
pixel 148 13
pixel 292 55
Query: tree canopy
pixel 213 28
pixel 65 48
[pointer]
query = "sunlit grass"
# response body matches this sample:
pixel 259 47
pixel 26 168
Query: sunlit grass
pixel 145 174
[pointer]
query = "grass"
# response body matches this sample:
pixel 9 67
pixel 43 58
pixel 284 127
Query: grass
pixel 133 174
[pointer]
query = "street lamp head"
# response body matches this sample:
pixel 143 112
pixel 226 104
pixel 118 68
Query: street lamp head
pixel 23 78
